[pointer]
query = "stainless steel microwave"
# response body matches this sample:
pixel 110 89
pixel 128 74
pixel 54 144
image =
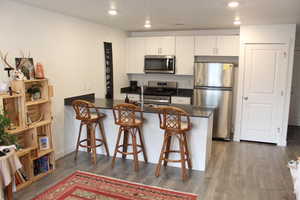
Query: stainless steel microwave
pixel 159 64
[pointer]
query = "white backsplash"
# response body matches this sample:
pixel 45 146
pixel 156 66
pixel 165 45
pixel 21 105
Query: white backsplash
pixel 184 81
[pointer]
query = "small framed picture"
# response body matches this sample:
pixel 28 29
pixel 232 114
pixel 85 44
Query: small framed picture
pixel 26 66
pixel 44 143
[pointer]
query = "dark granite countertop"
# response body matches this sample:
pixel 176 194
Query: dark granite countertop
pixel 194 111
pixel 181 92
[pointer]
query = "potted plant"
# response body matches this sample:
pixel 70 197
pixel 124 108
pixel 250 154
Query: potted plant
pixel 5 138
pixel 35 92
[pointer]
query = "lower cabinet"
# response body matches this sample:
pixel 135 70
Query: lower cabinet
pixel 181 100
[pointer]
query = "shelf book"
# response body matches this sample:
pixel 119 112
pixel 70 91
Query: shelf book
pixel 31 116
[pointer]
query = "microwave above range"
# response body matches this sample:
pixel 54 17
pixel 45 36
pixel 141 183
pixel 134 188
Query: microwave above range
pixel 159 64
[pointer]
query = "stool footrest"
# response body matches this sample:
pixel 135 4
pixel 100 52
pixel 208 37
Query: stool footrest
pixel 87 146
pixel 129 153
pixel 170 160
pixel 174 151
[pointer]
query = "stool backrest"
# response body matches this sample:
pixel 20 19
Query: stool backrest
pixel 82 109
pixel 171 118
pixel 127 114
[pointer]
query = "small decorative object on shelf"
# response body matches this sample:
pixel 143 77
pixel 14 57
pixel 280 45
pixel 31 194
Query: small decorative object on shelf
pixel 39 71
pixel 8 67
pixel 26 66
pixel 18 75
pixel 31 121
pixel 44 142
pixel 35 92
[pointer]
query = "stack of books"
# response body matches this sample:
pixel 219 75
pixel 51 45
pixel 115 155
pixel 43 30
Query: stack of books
pixel 20 176
pixel 41 165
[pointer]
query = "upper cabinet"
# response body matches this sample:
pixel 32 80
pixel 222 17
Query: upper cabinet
pixel 135 54
pixel 205 45
pixel 160 45
pixel 217 45
pixel 184 55
pixel 183 47
pixel 228 45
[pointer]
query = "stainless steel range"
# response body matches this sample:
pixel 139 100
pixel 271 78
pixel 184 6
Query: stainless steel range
pixel 158 92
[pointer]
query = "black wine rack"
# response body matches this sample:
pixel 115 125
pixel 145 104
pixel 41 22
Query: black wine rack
pixel 109 70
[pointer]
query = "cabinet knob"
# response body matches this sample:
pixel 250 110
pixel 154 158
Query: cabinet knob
pixel 245 98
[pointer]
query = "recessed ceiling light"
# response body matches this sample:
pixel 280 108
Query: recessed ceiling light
pixel 233 4
pixel 237 22
pixel 112 12
pixel 147 24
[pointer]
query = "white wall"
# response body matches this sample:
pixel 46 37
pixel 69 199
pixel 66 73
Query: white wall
pixel 294 116
pixel 70 49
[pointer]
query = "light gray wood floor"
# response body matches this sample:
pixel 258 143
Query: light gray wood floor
pixel 237 171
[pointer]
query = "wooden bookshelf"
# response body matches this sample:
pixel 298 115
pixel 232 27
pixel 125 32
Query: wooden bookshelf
pixel 28 131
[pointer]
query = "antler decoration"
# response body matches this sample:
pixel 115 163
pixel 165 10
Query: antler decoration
pixel 4 59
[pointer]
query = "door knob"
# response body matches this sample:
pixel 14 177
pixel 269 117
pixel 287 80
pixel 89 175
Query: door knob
pixel 245 98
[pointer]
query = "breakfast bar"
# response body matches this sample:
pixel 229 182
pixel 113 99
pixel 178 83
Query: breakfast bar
pixel 199 137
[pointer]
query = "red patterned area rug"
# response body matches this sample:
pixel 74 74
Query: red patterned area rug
pixel 86 186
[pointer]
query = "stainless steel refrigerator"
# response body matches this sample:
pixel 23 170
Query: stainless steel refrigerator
pixel 213 87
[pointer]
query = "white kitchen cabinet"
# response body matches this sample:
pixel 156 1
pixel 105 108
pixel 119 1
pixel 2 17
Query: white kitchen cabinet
pixel 205 45
pixel 184 55
pixel 180 100
pixel 135 55
pixel 160 45
pixel 167 45
pixel 217 45
pixel 228 45
pixel 152 45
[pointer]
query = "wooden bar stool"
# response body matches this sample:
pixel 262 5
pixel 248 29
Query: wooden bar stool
pixel 175 122
pixel 130 119
pixel 84 113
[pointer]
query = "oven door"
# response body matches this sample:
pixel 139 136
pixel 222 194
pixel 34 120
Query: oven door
pixel 159 64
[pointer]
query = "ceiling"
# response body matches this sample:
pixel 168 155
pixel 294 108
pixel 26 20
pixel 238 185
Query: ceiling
pixel 176 14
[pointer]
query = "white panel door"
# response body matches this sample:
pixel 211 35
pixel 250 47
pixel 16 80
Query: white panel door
pixel 135 55
pixel 185 55
pixel 228 45
pixel 167 45
pixel 152 45
pixel 205 45
pixel 263 95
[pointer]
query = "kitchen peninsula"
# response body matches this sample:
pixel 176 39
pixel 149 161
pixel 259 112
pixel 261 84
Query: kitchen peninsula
pixel 199 138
